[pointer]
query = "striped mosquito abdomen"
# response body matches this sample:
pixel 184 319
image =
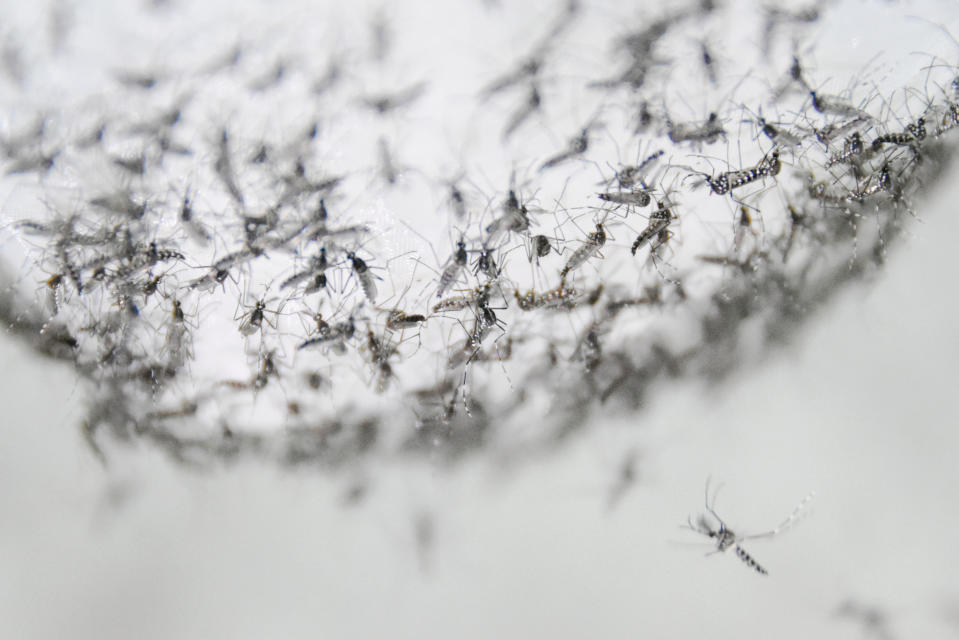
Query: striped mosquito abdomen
pixel 748 559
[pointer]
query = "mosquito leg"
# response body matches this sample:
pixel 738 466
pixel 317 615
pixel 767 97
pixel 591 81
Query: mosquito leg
pixel 788 522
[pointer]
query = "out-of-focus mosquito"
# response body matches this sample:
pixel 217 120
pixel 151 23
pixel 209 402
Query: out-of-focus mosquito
pixel 725 538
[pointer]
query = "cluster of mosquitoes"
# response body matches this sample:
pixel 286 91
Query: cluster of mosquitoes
pixel 227 295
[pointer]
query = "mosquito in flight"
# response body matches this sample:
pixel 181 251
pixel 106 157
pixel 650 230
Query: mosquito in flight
pixel 725 538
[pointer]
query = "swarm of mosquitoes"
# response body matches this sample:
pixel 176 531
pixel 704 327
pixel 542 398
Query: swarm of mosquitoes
pixel 628 204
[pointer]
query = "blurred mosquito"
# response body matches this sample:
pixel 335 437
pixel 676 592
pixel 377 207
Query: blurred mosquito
pixel 224 168
pixel 834 105
pixel 315 271
pixel 574 147
pixel 725 538
pixel 627 176
pixel 706 132
pixel 515 218
pixel 195 229
pixel 529 106
pixel 777 133
pixel 383 103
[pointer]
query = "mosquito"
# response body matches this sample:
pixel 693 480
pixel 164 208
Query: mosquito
pixel 334 335
pixel 122 203
pixel 486 264
pixel 594 242
pixel 381 349
pixel 515 218
pixel 362 271
pixel 220 270
pixel 852 147
pixel 179 342
pixel 705 132
pixel 224 168
pixel 541 247
pixel 836 130
pixel 317 266
pixel 659 222
pixel 729 180
pixel 562 297
pixel 484 323
pixel 644 118
pixel 914 133
pixel 529 106
pixel 629 175
pixel 725 538
pixel 388 169
pixel 398 320
pixel 881 181
pixel 589 348
pixel 452 270
pixel 707 59
pixel 575 147
pixel 252 320
pixel 834 105
pixel 194 228
pixel 385 102
pixel 775 132
pixel 527 69
pixel 456 303
pixel 636 197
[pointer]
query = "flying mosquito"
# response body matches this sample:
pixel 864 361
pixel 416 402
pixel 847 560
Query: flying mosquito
pixel 725 538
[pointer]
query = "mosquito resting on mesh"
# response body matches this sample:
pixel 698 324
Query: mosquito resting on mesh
pixel 453 268
pixel 252 320
pixel 362 271
pixel 562 297
pixel 852 148
pixel 728 180
pixel 659 222
pixel 594 242
pixel 725 538
pixel 637 197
